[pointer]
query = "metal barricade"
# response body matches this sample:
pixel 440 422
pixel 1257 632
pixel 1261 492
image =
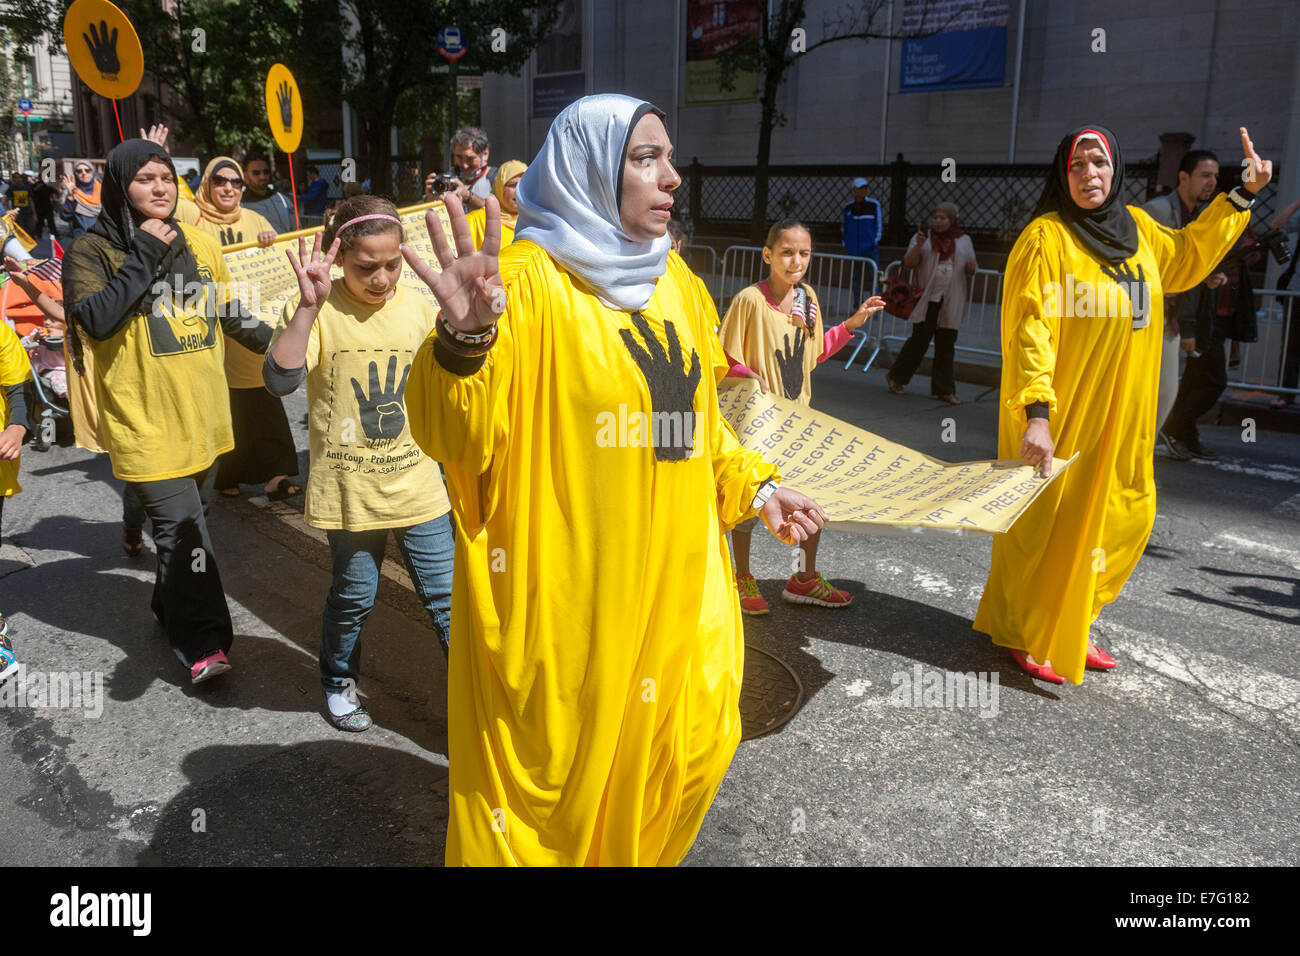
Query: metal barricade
pixel 980 333
pixel 703 261
pixel 1264 362
pixel 835 278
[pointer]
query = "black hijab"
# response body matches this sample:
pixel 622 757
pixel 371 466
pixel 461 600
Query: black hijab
pixel 119 220
pixel 1107 233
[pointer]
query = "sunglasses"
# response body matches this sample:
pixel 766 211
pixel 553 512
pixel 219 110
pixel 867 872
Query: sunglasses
pixel 227 181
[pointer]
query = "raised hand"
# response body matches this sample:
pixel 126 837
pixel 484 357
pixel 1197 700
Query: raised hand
pixel 382 415
pixel 313 278
pixel 469 286
pixel 284 96
pixel 672 386
pixel 157 134
pixel 790 362
pixel 1256 173
pixel 103 48
pixel 865 311
pixel 265 238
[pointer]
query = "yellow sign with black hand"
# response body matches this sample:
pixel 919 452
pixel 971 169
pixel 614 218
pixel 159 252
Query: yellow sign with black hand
pixel 103 48
pixel 284 107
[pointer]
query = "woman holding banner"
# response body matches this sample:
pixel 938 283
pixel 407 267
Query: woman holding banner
pixel 1081 341
pixel 264 452
pixel 596 653
pixel 158 381
pixel 503 187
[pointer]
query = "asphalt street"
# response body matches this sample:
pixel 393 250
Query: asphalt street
pixel 1187 753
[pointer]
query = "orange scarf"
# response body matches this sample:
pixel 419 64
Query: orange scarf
pixel 203 195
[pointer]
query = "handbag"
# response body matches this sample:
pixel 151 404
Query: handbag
pixel 901 295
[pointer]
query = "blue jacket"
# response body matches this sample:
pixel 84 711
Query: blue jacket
pixel 862 232
pixel 314 199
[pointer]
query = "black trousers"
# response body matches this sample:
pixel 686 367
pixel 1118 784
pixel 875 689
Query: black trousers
pixel 1204 379
pixel 942 381
pixel 188 597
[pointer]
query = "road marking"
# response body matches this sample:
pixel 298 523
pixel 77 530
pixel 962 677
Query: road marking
pixel 1227 541
pixel 1254 695
pixel 1238 466
pixel 1289 508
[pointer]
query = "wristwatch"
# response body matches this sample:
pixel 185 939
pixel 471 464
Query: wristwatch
pixel 765 491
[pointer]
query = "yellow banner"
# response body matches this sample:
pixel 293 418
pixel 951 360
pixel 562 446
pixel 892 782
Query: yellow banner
pixel 268 275
pixel 869 484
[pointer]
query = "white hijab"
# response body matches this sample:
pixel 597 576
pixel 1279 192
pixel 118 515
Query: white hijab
pixel 569 201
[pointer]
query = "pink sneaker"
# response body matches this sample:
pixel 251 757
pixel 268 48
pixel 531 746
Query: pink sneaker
pixel 816 590
pixel 751 601
pixel 212 665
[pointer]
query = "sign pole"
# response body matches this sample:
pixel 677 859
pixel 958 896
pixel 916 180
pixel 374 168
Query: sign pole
pixel 293 191
pixel 31 163
pixel 120 137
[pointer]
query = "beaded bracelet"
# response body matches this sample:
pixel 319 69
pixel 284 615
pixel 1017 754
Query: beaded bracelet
pixel 467 344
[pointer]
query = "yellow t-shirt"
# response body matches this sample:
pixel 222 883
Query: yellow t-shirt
pixel 763 338
pixel 243 368
pixel 14 368
pixel 367 471
pixel 159 383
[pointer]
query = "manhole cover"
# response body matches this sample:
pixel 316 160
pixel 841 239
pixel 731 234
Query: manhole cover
pixel 770 695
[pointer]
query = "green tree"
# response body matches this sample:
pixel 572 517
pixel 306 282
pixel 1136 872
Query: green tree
pixel 390 46
pixel 778 47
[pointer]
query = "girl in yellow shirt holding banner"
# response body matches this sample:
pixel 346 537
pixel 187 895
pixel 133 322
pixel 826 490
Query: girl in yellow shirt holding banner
pixel 152 296
pixel 1082 320
pixel 571 395
pixel 353 340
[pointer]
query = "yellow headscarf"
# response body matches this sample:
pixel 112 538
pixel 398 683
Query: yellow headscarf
pixel 506 172
pixel 203 195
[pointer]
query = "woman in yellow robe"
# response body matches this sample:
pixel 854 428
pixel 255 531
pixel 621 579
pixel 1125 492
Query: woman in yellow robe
pixel 596 652
pixel 1082 313
pixel 503 187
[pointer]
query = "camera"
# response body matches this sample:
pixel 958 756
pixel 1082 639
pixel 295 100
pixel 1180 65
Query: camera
pixel 444 183
pixel 1274 240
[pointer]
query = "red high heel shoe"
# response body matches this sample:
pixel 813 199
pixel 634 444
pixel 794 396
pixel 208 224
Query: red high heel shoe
pixel 1040 671
pixel 1099 660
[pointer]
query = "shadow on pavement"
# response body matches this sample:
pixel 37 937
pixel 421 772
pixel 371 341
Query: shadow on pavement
pixel 325 803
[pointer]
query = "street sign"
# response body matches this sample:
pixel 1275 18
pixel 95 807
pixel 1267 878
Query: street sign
pixel 24 106
pixel 451 44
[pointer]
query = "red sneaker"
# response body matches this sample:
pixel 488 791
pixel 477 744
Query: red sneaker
pixel 816 590
pixel 212 665
pixel 751 602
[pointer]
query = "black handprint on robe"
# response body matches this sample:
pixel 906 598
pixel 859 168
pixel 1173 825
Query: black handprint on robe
pixel 1122 275
pixel 103 48
pixel 382 415
pixel 230 237
pixel 284 96
pixel 790 362
pixel 672 387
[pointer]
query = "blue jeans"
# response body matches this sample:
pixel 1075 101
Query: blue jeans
pixel 427 549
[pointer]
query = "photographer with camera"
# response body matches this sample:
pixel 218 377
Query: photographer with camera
pixel 472 179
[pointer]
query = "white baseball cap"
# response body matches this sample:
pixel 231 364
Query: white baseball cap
pixel 859 183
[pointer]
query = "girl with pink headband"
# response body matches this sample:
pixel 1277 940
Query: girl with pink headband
pixel 352 339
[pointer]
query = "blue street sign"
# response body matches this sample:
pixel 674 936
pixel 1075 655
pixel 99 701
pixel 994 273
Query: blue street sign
pixel 450 41
pixel 24 105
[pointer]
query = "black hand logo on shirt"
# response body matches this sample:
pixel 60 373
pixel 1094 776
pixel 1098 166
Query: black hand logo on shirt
pixel 381 411
pixel 284 96
pixel 103 48
pixel 790 362
pixel 229 237
pixel 672 387
pixel 1139 293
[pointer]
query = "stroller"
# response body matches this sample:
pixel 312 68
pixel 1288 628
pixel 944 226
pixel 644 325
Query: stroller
pixel 48 409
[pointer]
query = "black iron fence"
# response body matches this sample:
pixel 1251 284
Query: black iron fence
pixel 994 200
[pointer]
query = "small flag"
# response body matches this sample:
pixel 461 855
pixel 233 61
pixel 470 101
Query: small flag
pixel 50 270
